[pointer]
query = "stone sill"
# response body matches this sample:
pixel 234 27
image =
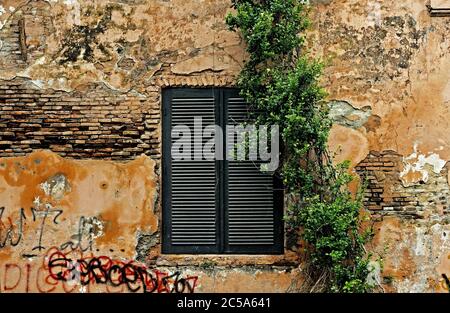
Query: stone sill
pixel 212 260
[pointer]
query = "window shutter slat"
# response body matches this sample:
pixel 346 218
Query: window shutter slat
pixel 193 183
pixel 250 218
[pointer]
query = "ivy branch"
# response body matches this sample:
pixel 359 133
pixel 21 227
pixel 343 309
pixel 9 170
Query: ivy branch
pixel 281 84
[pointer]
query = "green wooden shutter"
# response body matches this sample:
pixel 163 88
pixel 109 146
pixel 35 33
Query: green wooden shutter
pixel 253 210
pixel 216 206
pixel 189 195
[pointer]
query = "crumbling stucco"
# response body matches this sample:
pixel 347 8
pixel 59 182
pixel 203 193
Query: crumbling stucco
pixel 84 79
pixel 97 207
pixel 387 76
pixel 71 43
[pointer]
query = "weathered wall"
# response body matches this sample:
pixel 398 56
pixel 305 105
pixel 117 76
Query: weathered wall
pixel 52 204
pixel 389 84
pixel 103 214
pixel 84 78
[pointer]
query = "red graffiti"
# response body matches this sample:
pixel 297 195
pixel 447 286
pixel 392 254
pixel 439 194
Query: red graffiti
pixel 136 277
pixel 60 273
pixel 8 285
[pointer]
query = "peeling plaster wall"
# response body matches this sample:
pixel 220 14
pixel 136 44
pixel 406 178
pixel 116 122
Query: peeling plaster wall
pixel 84 79
pixel 92 207
pixel 388 76
pixel 64 44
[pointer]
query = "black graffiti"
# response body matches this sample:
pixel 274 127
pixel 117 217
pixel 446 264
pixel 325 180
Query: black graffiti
pixel 84 238
pixel 48 210
pixel 103 270
pixel 447 281
pixel 14 234
pixel 10 231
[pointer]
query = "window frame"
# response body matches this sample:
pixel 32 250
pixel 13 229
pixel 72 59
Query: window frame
pixel 220 94
pixel 438 9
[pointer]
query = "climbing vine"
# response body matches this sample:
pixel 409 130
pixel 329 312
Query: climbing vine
pixel 281 83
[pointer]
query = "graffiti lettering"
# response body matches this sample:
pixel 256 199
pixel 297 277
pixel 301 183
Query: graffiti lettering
pixel 447 282
pixel 10 231
pixel 86 233
pixel 14 233
pixel 9 283
pixel 104 270
pixel 48 210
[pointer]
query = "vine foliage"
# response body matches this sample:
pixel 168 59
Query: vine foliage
pixel 281 83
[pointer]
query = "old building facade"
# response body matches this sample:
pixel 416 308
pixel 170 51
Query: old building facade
pixel 81 138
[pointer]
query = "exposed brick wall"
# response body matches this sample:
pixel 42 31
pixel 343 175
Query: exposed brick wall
pixel 11 54
pixel 102 120
pixel 374 170
pixel 96 123
pixel 22 38
pixel 386 195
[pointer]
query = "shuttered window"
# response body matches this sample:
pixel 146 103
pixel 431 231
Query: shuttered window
pixel 215 206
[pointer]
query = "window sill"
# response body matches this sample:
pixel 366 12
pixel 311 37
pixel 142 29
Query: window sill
pixel 290 258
